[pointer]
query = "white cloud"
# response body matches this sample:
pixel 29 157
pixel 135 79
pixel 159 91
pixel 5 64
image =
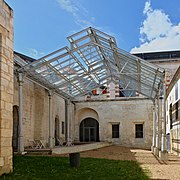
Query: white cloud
pixel 147 7
pixel 34 53
pixel 69 6
pixel 157 32
pixel 79 13
pixel 81 16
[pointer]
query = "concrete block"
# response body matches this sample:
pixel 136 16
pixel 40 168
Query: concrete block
pixel 9 43
pixel 6 151
pixel 4 67
pixel 6 96
pixel 8 106
pixel 6 142
pixel 1 161
pixel 163 155
pixel 6 169
pixel 152 149
pixel 6 133
pixel 7 53
pixel 156 151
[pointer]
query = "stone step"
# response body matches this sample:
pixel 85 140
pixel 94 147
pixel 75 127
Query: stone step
pixel 79 148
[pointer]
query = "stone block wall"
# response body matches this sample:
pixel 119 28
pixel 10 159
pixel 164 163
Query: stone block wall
pixel 6 86
pixel 126 113
pixel 36 111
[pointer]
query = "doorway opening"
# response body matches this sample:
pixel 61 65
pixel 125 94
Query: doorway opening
pixel 56 131
pixel 89 130
pixel 15 127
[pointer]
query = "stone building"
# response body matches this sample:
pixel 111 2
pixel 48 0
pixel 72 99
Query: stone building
pixel 90 92
pixel 119 119
pixel 6 86
pixel 173 114
pixel 119 109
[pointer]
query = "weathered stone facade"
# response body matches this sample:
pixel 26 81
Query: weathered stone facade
pixel 36 112
pixel 6 86
pixel 126 113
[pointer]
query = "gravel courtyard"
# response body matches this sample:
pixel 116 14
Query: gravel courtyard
pixel 157 169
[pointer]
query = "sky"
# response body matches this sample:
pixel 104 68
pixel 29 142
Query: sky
pixel 41 26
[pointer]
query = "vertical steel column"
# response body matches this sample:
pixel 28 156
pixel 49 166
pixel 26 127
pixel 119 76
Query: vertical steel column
pixel 154 128
pixel 20 125
pixel 163 119
pixel 157 126
pixel 68 119
pixel 50 119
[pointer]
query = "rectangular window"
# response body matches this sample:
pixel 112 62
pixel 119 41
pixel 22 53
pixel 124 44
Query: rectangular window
pixel 139 130
pixel 177 106
pixel 176 91
pixel 115 130
pixel 170 115
pixel 62 127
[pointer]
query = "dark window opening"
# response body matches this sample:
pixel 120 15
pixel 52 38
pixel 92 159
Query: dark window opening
pixel 121 92
pixel 170 115
pixel 56 131
pixel 62 127
pixel 139 130
pixel 115 131
pixel 176 109
pixel 15 127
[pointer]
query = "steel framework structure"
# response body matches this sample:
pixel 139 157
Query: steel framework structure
pixel 93 60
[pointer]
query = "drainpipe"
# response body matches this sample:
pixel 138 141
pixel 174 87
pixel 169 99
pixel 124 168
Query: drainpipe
pixel 20 125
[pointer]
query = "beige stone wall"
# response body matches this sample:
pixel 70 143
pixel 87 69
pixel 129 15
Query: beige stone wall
pixel 175 141
pixel 36 111
pixel 126 113
pixel 170 68
pixel 58 105
pixel 6 86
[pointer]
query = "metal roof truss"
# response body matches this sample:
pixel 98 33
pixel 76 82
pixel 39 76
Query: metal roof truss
pixel 92 61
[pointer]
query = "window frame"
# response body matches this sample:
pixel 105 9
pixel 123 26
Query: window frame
pixel 115 133
pixel 176 91
pixel 141 136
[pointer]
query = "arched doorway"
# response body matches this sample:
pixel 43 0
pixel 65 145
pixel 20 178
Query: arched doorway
pixel 56 131
pixel 15 127
pixel 89 130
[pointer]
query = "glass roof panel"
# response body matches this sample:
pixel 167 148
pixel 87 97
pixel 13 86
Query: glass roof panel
pixel 92 60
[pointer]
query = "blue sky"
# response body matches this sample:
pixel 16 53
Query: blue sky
pixel 41 26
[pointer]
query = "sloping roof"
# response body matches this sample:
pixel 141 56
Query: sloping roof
pixel 93 60
pixel 25 58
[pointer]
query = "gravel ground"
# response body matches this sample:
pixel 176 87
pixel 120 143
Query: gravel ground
pixel 156 169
